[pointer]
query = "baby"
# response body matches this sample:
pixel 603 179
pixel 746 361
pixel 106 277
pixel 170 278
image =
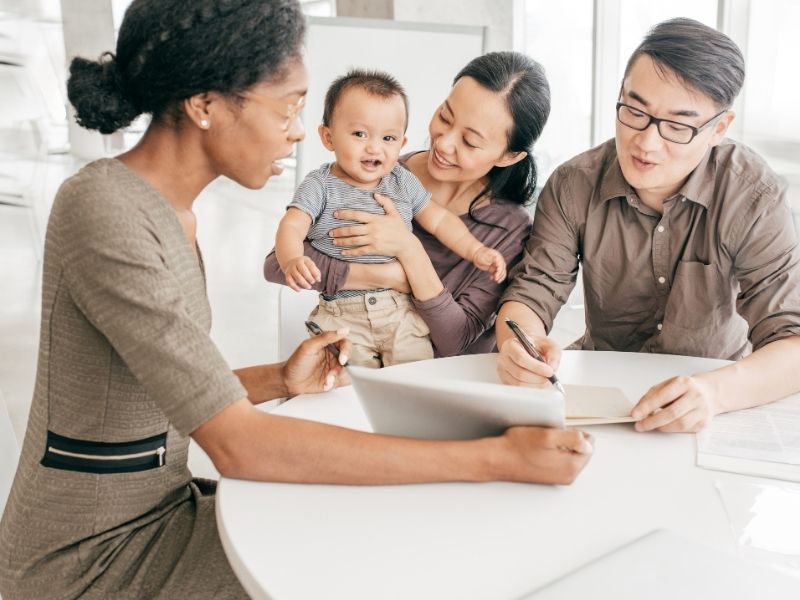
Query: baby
pixel 364 124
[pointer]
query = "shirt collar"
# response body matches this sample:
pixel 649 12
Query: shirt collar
pixel 698 187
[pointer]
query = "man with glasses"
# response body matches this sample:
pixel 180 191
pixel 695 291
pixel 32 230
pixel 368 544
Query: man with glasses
pixel 684 238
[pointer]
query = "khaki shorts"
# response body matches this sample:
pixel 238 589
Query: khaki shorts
pixel 384 328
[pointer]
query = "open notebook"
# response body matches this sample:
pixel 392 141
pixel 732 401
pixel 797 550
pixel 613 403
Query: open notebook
pixel 596 405
pixel 441 407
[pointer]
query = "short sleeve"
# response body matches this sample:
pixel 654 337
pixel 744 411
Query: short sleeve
pixel 115 268
pixel 310 194
pixel 413 188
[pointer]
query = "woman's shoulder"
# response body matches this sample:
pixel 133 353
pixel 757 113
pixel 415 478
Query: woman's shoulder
pixel 101 183
pixel 102 191
pixel 510 215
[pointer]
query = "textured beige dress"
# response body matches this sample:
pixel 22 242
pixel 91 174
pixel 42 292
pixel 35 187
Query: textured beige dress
pixel 124 355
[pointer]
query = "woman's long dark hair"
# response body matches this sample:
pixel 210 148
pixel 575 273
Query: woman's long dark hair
pixel 522 82
pixel 169 50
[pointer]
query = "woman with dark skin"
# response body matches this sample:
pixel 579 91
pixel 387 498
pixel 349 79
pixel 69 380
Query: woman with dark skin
pixel 103 504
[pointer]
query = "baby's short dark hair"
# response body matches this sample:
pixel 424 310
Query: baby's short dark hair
pixel 377 83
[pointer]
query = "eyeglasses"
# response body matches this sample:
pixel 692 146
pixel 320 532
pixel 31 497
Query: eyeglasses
pixel 672 131
pixel 290 111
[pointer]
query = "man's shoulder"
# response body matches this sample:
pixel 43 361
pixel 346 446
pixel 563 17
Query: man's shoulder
pixel 736 161
pixel 591 164
pixel 589 172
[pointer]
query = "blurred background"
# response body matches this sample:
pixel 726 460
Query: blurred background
pixel 583 45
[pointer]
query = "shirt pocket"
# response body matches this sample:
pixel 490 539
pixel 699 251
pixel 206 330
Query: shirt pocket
pixel 700 297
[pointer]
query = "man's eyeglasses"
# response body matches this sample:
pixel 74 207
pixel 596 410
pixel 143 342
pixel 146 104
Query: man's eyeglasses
pixel 672 131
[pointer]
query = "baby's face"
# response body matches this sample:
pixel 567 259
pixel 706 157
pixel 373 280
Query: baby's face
pixel 366 134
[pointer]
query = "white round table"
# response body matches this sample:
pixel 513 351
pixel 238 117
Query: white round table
pixel 495 540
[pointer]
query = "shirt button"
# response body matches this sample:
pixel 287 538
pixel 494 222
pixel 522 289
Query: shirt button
pixel 659 327
pixel 660 229
pixel 661 280
pixel 683 199
pixel 372 300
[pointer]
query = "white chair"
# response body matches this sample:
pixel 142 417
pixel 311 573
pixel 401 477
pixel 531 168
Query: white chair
pixel 9 454
pixel 293 310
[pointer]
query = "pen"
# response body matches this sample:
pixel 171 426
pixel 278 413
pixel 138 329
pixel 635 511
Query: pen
pixel 531 349
pixel 315 329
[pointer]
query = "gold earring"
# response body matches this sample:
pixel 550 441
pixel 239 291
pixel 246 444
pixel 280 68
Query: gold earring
pixel 204 123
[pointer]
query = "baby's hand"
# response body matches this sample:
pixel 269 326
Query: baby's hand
pixel 492 261
pixel 301 273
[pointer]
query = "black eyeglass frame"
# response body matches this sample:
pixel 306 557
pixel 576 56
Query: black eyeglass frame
pixel 695 130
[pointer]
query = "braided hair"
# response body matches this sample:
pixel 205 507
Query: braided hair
pixel 169 50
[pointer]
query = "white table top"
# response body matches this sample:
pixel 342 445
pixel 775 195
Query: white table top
pixel 495 540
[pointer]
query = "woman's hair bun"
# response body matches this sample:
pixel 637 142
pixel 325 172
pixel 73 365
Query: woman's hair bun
pixel 95 90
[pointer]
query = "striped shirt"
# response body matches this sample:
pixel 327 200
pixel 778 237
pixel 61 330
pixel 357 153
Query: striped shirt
pixel 322 193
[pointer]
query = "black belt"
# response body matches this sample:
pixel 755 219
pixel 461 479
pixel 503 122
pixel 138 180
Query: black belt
pixel 103 457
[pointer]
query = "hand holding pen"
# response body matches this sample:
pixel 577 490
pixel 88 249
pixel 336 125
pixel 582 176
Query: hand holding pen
pixel 530 348
pixel 310 368
pixel 315 329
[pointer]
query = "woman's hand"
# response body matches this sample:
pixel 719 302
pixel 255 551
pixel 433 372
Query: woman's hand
pixel 545 455
pixel 516 367
pixel 387 235
pixel 312 367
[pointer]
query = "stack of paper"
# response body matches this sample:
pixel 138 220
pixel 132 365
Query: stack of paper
pixel 762 441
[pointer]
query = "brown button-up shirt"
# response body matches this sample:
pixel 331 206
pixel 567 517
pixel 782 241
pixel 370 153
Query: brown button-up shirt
pixel 717 271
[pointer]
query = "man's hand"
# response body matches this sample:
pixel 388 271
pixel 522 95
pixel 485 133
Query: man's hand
pixel 516 367
pixel 487 259
pixel 679 404
pixel 301 273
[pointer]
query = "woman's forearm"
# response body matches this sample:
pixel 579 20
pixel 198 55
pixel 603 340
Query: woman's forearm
pixel 422 278
pixel 263 382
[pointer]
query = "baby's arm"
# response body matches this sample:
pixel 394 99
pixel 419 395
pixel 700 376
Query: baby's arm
pixel 299 270
pixel 453 233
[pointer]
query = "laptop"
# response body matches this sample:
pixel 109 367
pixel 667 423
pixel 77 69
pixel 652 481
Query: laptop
pixel 397 403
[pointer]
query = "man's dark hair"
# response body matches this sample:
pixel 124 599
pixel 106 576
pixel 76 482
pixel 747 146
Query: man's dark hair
pixel 522 83
pixel 170 50
pixel 376 83
pixel 704 58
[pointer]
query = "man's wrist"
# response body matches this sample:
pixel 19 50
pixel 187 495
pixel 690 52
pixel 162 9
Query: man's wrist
pixel 715 382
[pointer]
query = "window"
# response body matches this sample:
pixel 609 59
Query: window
pixel 559 36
